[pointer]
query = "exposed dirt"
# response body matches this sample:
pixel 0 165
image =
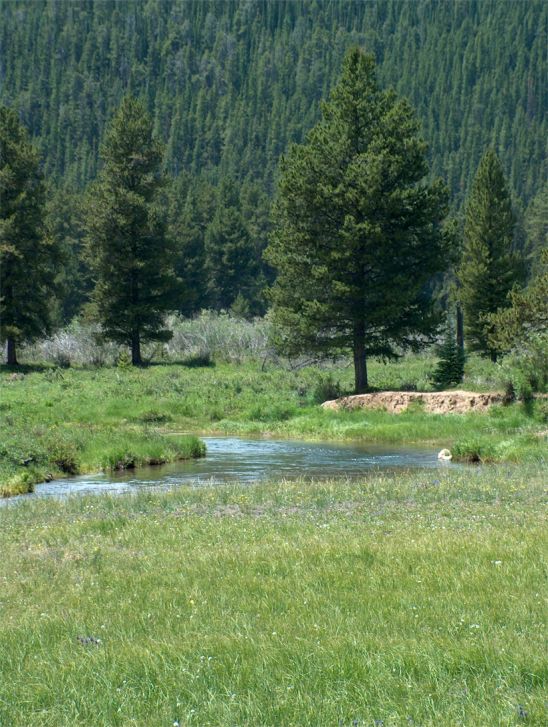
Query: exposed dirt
pixel 439 402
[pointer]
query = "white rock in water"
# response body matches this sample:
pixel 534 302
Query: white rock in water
pixel 445 455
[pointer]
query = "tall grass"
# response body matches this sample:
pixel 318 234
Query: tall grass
pixel 35 453
pixel 414 600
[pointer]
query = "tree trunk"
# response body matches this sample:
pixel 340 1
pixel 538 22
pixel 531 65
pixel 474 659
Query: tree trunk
pixel 136 349
pixel 460 328
pixel 360 359
pixel 493 356
pixel 12 356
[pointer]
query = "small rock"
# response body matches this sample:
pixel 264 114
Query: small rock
pixel 522 713
pixel 445 455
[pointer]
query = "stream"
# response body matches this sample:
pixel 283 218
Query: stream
pixel 236 459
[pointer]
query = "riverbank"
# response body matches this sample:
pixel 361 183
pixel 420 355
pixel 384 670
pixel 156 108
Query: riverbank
pixel 408 600
pixel 80 420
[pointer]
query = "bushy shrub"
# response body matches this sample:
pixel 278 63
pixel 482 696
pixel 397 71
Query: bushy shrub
pixel 119 458
pixel 326 389
pixel 77 344
pixel 198 341
pixel 526 369
pixel 482 374
pixel 155 417
pixel 219 336
pixel 64 456
pixel 200 359
pixel 411 372
pixel 474 449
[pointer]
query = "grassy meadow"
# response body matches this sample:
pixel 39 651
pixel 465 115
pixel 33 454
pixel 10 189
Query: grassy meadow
pixel 416 600
pixel 57 421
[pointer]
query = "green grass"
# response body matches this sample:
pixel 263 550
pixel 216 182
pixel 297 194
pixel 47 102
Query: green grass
pixel 416 600
pixel 56 421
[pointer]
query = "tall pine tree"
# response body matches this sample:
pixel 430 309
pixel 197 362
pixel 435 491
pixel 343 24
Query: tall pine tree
pixel 64 221
pixel 358 232
pixel 127 246
pixel 189 221
pixel 231 263
pixel 27 254
pixel 489 267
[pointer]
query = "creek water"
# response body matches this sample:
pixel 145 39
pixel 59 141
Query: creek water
pixel 235 459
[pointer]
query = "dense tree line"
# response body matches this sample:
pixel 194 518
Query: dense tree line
pixel 230 84
pixel 144 224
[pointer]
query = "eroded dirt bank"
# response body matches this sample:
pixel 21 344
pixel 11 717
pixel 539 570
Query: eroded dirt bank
pixel 438 402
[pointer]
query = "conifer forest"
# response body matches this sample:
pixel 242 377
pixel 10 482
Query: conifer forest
pixel 229 86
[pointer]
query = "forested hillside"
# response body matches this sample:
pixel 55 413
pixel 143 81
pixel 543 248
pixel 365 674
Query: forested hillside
pixel 231 84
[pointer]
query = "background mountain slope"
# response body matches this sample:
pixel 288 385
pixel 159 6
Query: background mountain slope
pixel 231 84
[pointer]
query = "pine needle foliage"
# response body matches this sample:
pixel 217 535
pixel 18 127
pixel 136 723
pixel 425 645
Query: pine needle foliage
pixel 489 267
pixel 357 231
pixel 128 249
pixel 450 368
pixel 231 263
pixel 27 254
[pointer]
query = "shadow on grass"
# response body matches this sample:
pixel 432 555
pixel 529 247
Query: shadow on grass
pixel 192 362
pixel 26 368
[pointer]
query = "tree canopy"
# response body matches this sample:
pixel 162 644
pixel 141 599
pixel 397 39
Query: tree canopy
pixel 490 265
pixel 27 254
pixel 357 229
pixel 131 255
pixel 231 84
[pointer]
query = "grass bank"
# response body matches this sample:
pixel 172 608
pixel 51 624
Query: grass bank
pixel 415 600
pixel 57 420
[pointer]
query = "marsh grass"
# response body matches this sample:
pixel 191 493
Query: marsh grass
pixel 77 420
pixel 416 600
pixel 37 452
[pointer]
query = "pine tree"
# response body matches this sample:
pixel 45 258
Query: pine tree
pixel 450 368
pixel 358 233
pixel 65 226
pixel 190 218
pixel 27 254
pixel 536 225
pixel 476 76
pixel 489 267
pixel 527 315
pixel 230 260
pixel 127 246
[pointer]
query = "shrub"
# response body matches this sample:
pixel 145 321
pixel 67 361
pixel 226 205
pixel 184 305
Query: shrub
pixel 474 450
pixel 119 459
pixel 154 417
pixel 207 337
pixel 64 456
pixel 78 343
pixel 221 336
pixel 326 389
pixel 526 369
pixel 200 359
